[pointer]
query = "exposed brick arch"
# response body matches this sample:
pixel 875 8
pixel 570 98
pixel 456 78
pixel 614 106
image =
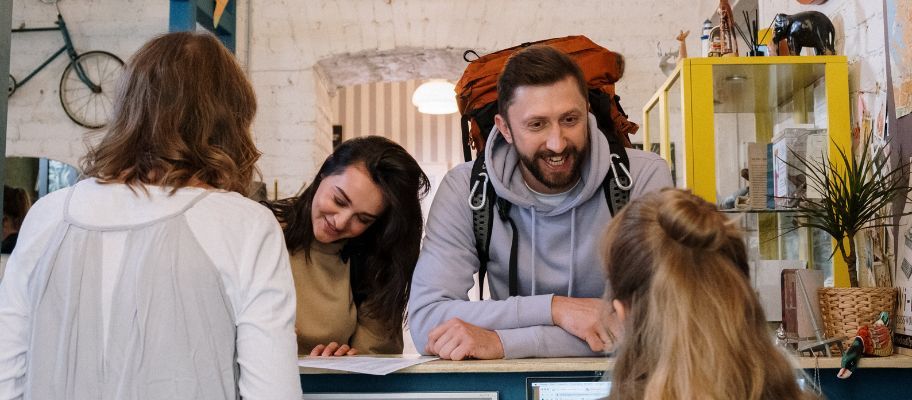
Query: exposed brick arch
pixel 392 65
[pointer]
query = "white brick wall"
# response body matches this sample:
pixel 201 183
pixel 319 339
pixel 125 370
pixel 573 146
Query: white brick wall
pixel 287 38
pixel 37 125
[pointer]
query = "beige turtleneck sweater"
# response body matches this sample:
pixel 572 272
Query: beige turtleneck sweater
pixel 326 308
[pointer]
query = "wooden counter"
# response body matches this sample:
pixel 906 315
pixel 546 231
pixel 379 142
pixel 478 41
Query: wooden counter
pixel 876 378
pixel 596 364
pixel 496 366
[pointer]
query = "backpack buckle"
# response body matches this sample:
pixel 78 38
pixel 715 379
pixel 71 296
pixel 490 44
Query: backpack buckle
pixel 484 193
pixel 617 179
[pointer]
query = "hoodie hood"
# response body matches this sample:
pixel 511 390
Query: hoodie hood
pixel 503 166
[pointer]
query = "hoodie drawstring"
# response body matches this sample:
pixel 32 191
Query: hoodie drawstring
pixel 534 251
pixel 572 250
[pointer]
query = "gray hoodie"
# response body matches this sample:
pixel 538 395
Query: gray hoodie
pixel 557 254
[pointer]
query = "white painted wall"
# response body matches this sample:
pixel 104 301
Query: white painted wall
pixel 37 125
pixel 289 37
pixel 282 41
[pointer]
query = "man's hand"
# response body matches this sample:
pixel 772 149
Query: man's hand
pixel 588 319
pixel 458 340
pixel 333 349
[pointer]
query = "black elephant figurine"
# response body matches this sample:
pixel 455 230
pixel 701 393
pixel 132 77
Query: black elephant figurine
pixel 805 29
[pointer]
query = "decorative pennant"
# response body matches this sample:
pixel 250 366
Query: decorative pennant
pixel 219 9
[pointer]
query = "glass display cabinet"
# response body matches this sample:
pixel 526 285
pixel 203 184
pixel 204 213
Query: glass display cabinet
pixel 730 127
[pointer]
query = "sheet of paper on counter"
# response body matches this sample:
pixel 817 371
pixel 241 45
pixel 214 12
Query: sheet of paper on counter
pixel 373 365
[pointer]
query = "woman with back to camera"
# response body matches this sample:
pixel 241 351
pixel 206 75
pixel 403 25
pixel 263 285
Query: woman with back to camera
pixel 693 327
pixel 354 235
pixel 155 278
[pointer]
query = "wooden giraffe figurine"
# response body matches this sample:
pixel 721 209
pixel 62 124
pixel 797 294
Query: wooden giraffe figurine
pixel 682 52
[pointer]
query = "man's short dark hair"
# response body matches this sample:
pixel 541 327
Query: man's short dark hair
pixel 537 65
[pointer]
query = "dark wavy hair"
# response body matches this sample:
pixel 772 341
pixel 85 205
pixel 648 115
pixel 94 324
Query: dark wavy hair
pixel 182 112
pixel 382 258
pixel 16 203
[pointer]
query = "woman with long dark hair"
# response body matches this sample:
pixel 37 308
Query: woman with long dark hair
pixel 354 235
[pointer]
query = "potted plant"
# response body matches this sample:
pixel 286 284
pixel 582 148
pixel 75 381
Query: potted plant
pixel 855 194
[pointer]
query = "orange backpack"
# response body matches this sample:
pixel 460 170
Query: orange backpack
pixel 476 91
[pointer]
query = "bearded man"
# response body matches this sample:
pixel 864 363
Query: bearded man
pixel 548 159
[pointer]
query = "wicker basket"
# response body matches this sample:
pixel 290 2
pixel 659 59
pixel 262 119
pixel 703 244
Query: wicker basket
pixel 845 309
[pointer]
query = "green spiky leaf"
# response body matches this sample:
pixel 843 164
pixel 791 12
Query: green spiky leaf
pixel 855 191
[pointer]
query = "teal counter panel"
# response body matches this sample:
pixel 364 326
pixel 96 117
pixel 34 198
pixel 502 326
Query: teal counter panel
pixel 872 383
pixel 509 385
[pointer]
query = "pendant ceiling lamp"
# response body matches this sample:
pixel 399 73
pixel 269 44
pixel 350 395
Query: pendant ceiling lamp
pixel 436 96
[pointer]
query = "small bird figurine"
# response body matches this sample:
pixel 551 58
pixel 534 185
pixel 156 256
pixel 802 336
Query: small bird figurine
pixel 873 340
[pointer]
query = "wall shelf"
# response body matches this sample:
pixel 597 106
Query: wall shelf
pixel 709 109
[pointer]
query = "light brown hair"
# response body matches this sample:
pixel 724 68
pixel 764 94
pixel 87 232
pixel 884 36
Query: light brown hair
pixel 182 114
pixel 694 328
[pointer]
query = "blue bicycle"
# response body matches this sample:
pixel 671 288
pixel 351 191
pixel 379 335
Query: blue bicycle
pixel 88 82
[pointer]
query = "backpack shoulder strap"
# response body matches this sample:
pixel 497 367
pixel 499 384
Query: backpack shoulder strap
pixel 483 200
pixel 503 209
pixel 482 203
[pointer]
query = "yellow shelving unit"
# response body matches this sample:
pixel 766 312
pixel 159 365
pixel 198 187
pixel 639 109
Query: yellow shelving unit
pixel 709 108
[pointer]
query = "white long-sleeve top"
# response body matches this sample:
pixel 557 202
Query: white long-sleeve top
pixel 241 238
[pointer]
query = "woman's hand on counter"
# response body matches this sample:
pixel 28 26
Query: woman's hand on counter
pixel 333 349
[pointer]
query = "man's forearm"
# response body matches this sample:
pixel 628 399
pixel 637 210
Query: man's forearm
pixel 542 341
pixel 514 312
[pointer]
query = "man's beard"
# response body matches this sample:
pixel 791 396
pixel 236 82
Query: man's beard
pixel 556 182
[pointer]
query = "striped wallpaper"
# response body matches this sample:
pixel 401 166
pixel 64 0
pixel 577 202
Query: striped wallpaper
pixel 385 109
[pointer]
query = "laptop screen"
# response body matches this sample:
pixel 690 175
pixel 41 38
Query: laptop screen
pixel 567 388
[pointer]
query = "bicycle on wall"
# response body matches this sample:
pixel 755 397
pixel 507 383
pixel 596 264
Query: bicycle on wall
pixel 88 83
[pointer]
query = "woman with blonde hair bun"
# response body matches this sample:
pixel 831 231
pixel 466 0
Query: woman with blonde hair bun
pixel 692 326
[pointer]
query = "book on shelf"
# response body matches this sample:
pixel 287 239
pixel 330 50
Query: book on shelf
pixel 756 175
pixel 766 277
pixel 800 308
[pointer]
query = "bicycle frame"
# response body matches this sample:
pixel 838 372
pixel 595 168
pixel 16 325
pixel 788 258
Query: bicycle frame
pixel 67 47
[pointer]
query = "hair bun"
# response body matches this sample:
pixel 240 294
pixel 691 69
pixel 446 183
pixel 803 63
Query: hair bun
pixel 693 224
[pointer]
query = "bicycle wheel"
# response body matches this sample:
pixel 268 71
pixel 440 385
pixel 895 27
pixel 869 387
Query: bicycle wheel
pixel 12 86
pixel 85 106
